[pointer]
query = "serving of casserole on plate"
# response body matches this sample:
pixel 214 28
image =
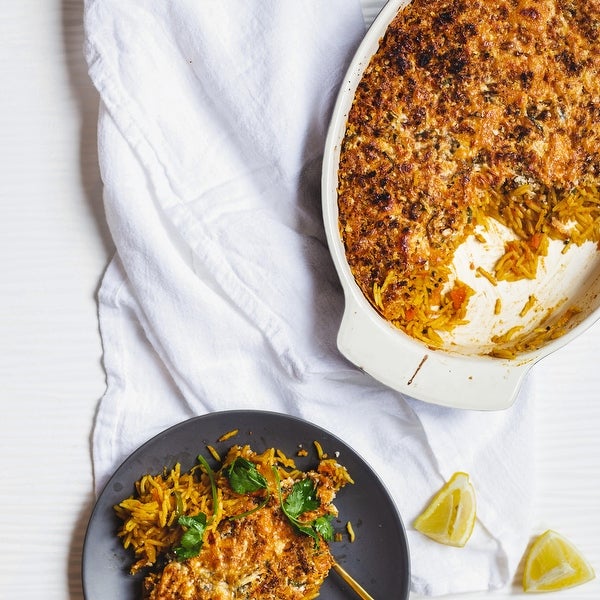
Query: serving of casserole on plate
pixel 461 193
pixel 247 547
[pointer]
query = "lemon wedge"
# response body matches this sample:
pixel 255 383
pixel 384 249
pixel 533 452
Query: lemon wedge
pixel 450 516
pixel 553 563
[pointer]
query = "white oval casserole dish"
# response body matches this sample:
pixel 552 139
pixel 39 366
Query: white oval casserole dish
pixel 464 376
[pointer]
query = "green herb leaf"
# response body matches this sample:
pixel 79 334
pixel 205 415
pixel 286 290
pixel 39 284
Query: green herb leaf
pixel 244 476
pixel 302 498
pixel 193 538
pixel 213 485
pixel 324 526
pixel 306 528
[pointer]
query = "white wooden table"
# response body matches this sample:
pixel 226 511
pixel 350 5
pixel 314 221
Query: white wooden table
pixel 54 246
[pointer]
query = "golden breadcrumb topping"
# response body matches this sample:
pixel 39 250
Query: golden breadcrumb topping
pixel 260 556
pixel 469 109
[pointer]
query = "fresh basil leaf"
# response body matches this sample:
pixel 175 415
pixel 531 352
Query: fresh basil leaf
pixel 244 476
pixel 193 538
pixel 302 498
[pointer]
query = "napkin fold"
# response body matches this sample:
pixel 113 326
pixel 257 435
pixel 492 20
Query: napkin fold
pixel 222 293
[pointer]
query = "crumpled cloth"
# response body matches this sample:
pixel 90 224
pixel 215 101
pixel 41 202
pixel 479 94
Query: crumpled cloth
pixel 222 293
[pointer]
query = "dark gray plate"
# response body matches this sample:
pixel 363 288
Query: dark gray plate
pixel 378 559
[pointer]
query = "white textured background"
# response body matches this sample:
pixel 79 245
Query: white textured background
pixel 54 247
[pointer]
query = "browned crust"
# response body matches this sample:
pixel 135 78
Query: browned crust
pixel 462 98
pixel 260 556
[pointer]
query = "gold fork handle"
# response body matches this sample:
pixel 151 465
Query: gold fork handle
pixel 360 591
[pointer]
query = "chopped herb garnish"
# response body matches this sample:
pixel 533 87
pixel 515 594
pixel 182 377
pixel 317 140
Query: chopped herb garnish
pixel 213 485
pixel 323 525
pixel 192 540
pixel 303 498
pixel 244 478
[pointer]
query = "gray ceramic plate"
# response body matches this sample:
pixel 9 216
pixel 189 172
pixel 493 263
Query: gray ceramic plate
pixel 378 559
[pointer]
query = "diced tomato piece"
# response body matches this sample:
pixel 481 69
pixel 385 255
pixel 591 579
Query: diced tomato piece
pixel 458 296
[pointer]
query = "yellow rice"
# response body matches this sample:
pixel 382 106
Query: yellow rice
pixel 531 302
pixel 228 435
pixel 350 530
pixel 540 335
pixel 149 517
pixel 536 215
pixel 498 306
pixel 483 273
pixel 213 452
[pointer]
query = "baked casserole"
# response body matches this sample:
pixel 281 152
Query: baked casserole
pixel 472 118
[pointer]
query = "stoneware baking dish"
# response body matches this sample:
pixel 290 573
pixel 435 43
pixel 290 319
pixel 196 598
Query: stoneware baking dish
pixel 463 375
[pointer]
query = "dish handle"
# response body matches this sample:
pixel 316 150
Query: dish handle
pixel 435 376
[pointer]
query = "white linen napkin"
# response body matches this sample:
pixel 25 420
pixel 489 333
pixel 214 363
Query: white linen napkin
pixel 222 294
